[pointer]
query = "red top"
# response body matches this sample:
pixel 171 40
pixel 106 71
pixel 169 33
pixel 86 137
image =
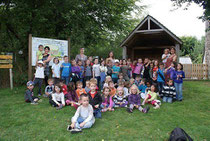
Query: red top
pixel 93 94
pixel 64 89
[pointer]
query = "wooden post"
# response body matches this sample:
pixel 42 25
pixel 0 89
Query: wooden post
pixel 30 57
pixel 177 47
pixel 124 52
pixel 11 78
pixel 132 54
pixel 149 23
pixel 69 49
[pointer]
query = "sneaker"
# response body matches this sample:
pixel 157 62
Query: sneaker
pixel 69 128
pixel 60 107
pixel 103 110
pixel 112 109
pixel 129 110
pixel 73 131
pixel 45 95
pixel 39 94
pixel 146 109
pixel 34 103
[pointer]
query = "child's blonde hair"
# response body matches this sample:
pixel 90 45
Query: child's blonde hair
pixel 120 88
pixel 78 83
pixel 93 80
pixel 137 89
pixel 107 79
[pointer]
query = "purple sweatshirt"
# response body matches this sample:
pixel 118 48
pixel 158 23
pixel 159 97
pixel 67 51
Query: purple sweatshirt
pixel 171 72
pixel 134 99
pixel 75 69
pixel 72 96
pixel 178 79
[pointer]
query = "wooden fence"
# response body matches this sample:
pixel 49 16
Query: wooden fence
pixel 196 71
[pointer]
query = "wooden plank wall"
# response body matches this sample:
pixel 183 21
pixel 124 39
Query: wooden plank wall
pixel 196 71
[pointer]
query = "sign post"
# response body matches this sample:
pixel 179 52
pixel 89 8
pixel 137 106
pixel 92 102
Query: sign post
pixel 6 63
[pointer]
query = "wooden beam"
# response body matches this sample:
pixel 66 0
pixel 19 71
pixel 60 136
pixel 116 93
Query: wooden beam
pixel 177 47
pixel 124 52
pixel 11 78
pixel 69 47
pixel 7 66
pixel 5 61
pixel 6 57
pixel 149 23
pixel 160 47
pixel 150 31
pixel 30 57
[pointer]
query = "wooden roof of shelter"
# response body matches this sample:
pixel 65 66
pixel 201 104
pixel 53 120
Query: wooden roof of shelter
pixel 150 33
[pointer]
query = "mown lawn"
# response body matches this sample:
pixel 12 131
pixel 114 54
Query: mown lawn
pixel 22 121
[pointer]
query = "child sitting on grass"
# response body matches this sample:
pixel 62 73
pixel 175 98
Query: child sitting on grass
pixel 168 92
pixel 80 90
pixel 107 80
pixel 107 103
pixel 142 87
pixel 120 100
pixel 71 96
pixel 49 89
pixel 95 99
pixel 57 99
pixel 113 89
pixel 151 98
pixel 83 118
pixel 134 100
pixel 64 87
pixel 29 94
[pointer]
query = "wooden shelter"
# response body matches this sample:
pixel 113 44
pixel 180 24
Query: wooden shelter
pixel 149 39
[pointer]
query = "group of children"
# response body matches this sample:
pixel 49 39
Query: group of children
pixel 95 88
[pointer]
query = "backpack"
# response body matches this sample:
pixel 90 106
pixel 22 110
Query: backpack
pixel 178 134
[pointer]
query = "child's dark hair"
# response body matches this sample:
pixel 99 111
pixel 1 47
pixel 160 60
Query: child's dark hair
pixel 106 88
pixel 161 63
pixel 110 82
pixel 143 80
pixel 40 46
pixel 71 86
pixel 55 59
pixel 180 65
pixel 59 86
pixel 65 56
pixel 138 76
pixel 47 47
pixel 154 86
pixel 83 95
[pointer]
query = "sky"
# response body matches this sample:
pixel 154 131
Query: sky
pixel 181 22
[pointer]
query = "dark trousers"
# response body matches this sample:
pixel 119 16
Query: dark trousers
pixel 56 80
pixel 31 99
pixel 160 87
pixel 53 102
pixel 38 81
pixel 98 80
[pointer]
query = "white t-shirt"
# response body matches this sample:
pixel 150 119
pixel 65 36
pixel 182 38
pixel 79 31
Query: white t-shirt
pixel 96 70
pixel 85 112
pixel 164 55
pixel 39 72
pixel 58 97
pixel 103 69
pixel 56 70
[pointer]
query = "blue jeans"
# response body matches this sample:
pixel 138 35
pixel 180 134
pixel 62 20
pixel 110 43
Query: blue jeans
pixel 167 99
pixel 97 113
pixel 178 87
pixel 66 79
pixel 160 86
pixel 87 125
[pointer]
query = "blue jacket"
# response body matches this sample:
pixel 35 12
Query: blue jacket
pixel 66 69
pixel 159 78
pixel 178 79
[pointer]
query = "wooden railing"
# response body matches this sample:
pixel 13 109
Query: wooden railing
pixel 196 71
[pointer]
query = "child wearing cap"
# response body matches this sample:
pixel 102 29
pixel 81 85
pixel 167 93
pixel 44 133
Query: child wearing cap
pixel 29 94
pixel 39 76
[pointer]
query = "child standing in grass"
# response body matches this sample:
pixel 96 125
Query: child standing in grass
pixel 96 71
pixel 95 99
pixel 134 100
pixel 80 90
pixel 120 99
pixel 178 81
pixel 88 70
pixel 57 99
pixel 83 118
pixel 151 98
pixel 115 71
pixel 75 71
pixel 169 92
pixel 39 76
pixel 29 94
pixel 81 75
pixel 71 96
pixel 107 103
pixel 56 70
pixel 66 70
pixel 160 77
pixel 103 72
pixel 49 89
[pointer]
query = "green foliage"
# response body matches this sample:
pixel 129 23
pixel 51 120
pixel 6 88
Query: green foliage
pixel 97 25
pixel 23 121
pixel 193 47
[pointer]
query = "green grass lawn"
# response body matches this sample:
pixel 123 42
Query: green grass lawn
pixel 22 121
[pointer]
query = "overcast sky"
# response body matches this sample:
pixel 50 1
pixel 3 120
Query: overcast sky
pixel 181 22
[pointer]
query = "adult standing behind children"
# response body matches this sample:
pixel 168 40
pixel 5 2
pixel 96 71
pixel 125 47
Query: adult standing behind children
pixel 46 59
pixel 171 58
pixel 110 58
pixel 81 56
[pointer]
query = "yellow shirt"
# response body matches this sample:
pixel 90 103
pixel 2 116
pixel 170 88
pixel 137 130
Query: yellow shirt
pixel 39 54
pixel 153 96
